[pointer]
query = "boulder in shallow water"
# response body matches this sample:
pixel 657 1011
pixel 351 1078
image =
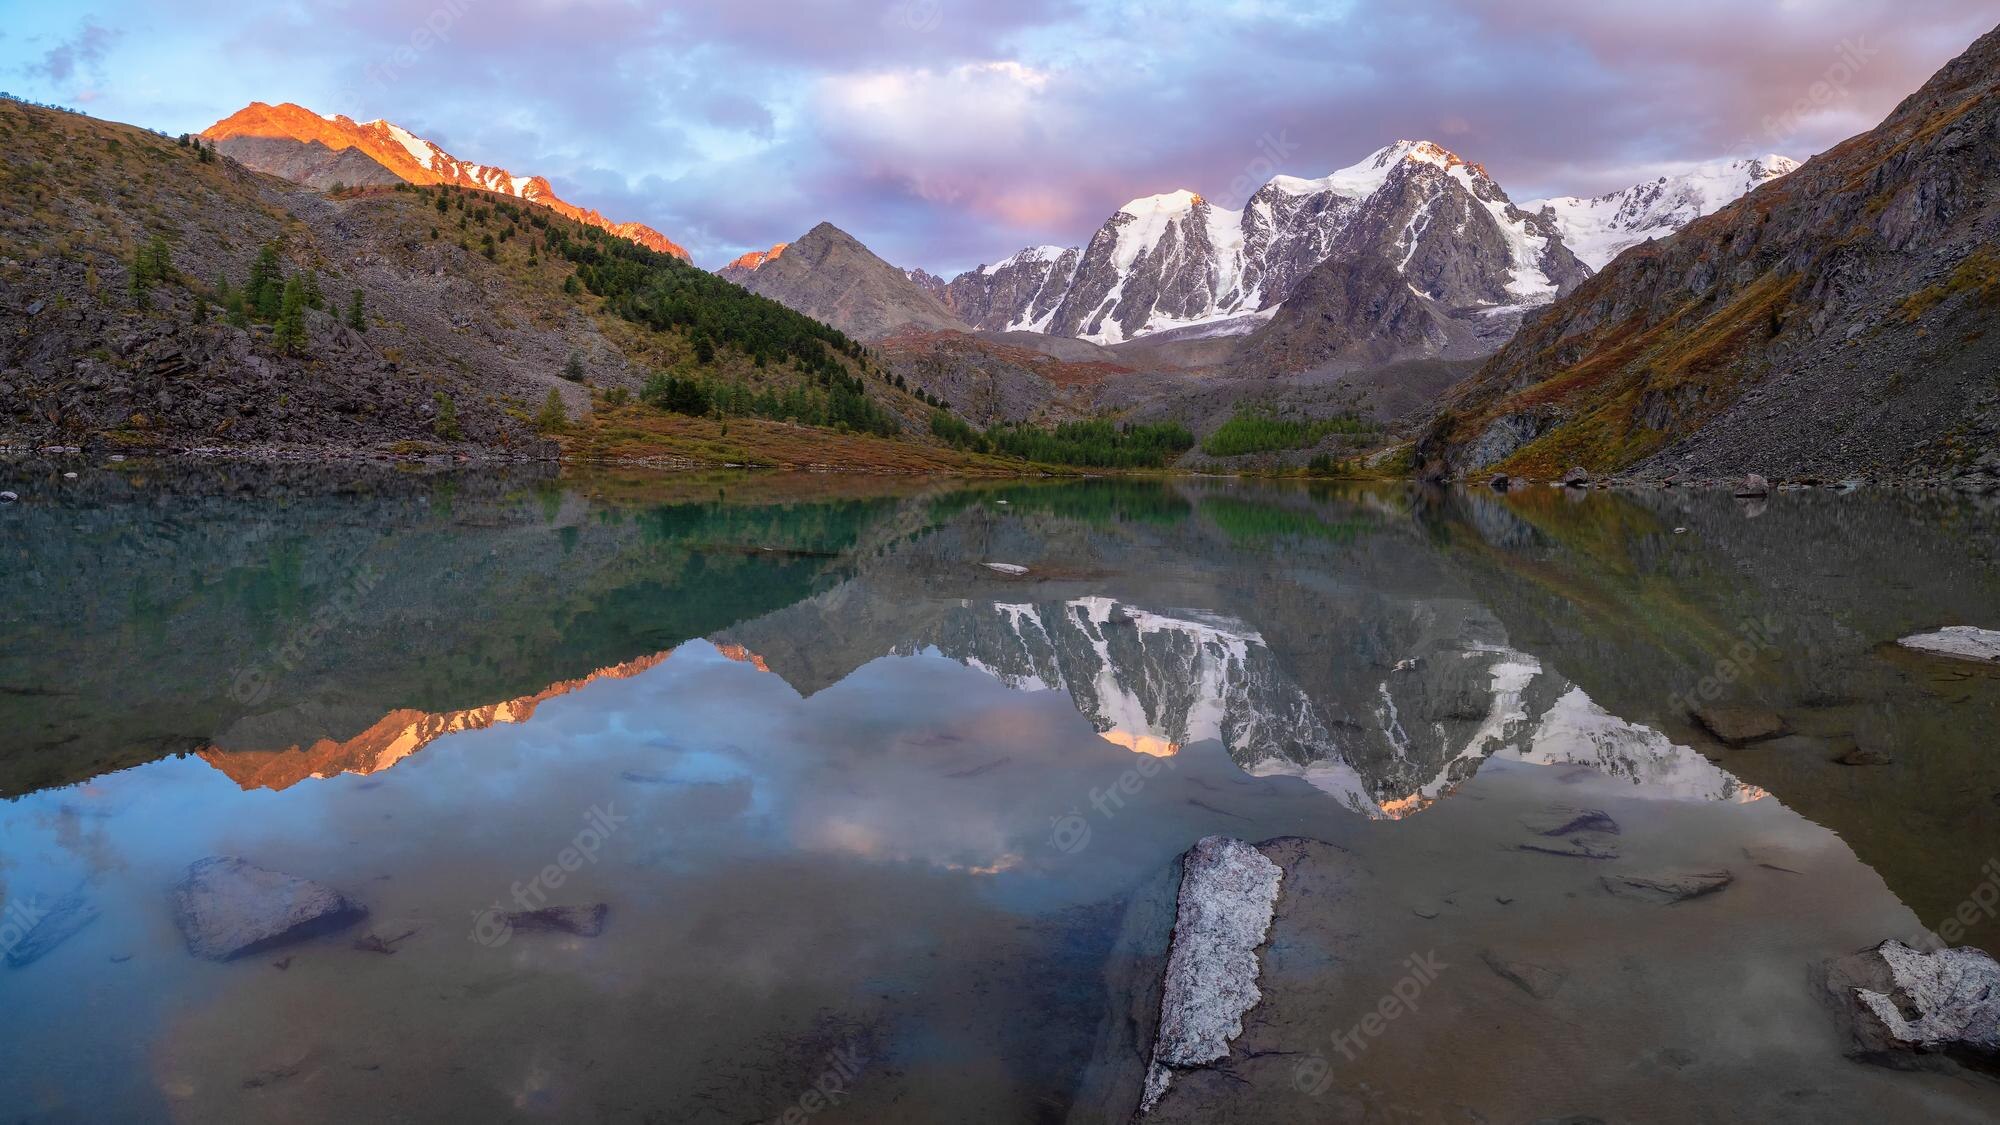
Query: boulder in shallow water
pixel 1905 1008
pixel 1753 486
pixel 1966 642
pixel 1538 981
pixel 227 908
pixel 1562 820
pixel 1228 892
pixel 583 921
pixel 1668 888
pixel 1577 477
pixel 1740 726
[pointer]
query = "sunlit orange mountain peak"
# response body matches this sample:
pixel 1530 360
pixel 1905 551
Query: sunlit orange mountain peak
pixel 404 155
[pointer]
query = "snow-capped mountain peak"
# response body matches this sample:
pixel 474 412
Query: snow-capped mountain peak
pixel 1176 260
pixel 1601 227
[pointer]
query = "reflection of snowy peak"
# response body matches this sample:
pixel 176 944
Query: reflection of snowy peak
pixel 1154 682
pixel 1147 681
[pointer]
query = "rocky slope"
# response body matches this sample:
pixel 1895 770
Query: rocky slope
pixel 1600 228
pixel 1838 320
pixel 828 275
pixel 318 149
pixel 471 304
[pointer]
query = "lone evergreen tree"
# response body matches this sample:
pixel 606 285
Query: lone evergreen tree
pixel 552 419
pixel 267 283
pixel 573 370
pixel 290 332
pixel 445 425
pixel 356 319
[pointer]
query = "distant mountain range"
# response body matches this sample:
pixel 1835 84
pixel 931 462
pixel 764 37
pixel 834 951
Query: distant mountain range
pixel 321 150
pixel 1413 253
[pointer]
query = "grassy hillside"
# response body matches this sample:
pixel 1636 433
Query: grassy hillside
pixel 144 303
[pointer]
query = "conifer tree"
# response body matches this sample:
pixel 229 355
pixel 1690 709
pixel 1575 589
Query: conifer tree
pixel 356 318
pixel 552 419
pixel 289 335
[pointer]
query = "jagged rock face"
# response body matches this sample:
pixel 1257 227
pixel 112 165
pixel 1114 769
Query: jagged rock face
pixel 1167 262
pixel 311 163
pixel 1019 294
pixel 1836 320
pixel 280 140
pixel 1600 228
pixel 831 277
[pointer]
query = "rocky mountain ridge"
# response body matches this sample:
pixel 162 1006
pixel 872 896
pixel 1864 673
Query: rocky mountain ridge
pixel 321 149
pixel 1837 321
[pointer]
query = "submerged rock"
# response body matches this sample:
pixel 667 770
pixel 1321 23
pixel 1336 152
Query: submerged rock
pixel 583 921
pixel 1538 981
pixel 1228 891
pixel 227 908
pixel 53 926
pixel 1966 642
pixel 1902 1007
pixel 1864 757
pixel 1739 725
pixel 1668 888
pixel 1576 845
pixel 1562 820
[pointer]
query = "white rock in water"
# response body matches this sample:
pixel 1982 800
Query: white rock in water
pixel 1947 998
pixel 1228 891
pixel 8 497
pixel 1966 642
pixel 1006 568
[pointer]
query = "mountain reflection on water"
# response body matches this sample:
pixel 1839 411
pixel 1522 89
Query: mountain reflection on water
pixel 774 670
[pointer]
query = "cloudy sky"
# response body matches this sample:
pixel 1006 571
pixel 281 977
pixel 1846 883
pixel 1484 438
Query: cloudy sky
pixel 944 133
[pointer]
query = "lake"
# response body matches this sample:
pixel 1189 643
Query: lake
pixel 887 833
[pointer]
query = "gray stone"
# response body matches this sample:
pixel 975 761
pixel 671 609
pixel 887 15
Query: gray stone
pixel 1576 845
pixel 1965 642
pixel 1538 981
pixel 583 921
pixel 1904 1008
pixel 227 908
pixel 1752 486
pixel 1667 888
pixel 1228 891
pixel 1562 820
pixel 1864 757
pixel 8 497
pixel 1577 477
pixel 1739 725
pixel 53 926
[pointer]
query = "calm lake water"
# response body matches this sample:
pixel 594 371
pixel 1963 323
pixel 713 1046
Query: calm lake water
pixel 870 814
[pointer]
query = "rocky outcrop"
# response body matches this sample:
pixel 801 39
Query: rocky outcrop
pixel 227 908
pixel 1836 320
pixel 829 276
pixel 257 134
pixel 1900 1007
pixel 1966 642
pixel 1228 892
